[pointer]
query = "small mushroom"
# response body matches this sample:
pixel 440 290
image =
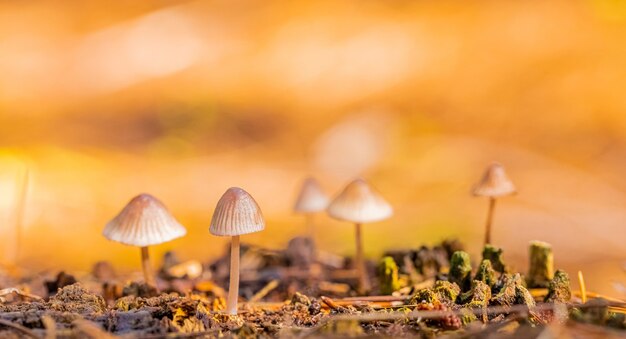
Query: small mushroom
pixel 311 200
pixel 145 221
pixel 236 214
pixel 360 203
pixel 494 184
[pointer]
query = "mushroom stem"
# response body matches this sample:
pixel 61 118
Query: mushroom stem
pixel 492 206
pixel 310 225
pixel 147 269
pixel 233 288
pixel 364 283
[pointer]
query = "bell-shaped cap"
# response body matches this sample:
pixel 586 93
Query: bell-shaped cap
pixel 144 221
pixel 311 198
pixel 236 213
pixel 359 203
pixel 494 183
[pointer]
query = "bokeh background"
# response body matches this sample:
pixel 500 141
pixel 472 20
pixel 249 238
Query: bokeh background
pixel 183 99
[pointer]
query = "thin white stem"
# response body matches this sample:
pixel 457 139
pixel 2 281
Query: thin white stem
pixel 310 225
pixel 492 206
pixel 147 269
pixel 233 288
pixel 364 282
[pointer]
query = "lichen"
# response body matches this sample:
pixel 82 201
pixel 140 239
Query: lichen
pixel 446 291
pixel 512 291
pixel 460 270
pixel 494 255
pixel 388 275
pixel 477 297
pixel 486 273
pixel 541 268
pixel 559 288
pixel 425 295
pixel 467 316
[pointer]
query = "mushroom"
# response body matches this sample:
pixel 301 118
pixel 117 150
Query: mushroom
pixel 494 184
pixel 311 200
pixel 143 222
pixel 236 214
pixel 360 203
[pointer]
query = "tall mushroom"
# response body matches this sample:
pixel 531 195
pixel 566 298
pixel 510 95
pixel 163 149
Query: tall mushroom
pixel 236 214
pixel 360 203
pixel 494 184
pixel 311 200
pixel 144 222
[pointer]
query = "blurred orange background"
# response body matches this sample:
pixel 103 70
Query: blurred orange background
pixel 185 99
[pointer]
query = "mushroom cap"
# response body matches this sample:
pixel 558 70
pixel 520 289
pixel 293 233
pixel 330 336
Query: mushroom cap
pixel 359 203
pixel 236 213
pixel 494 183
pixel 144 221
pixel 311 198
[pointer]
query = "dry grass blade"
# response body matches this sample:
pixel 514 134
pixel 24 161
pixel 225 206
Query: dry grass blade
pixel 583 289
pixel 329 302
pixel 264 291
pixel 597 295
pixel 10 290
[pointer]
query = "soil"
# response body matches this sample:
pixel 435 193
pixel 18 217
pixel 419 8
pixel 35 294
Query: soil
pixel 294 293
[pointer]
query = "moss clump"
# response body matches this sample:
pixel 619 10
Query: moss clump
pixel 523 296
pixel 299 298
pixel 460 270
pixel 541 268
pixel 388 275
pixel 443 292
pixel 485 273
pixel 446 291
pixel 512 291
pixel 559 288
pixel 494 255
pixel 467 316
pixel 596 311
pixel 478 297
pixel 425 295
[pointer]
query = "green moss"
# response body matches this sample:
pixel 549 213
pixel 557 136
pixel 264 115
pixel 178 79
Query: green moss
pixel 617 320
pixel 596 311
pixel 512 291
pixel 559 288
pixel 426 295
pixel 485 273
pixel 460 270
pixel 388 275
pixel 523 296
pixel 477 297
pixel 541 268
pixel 446 291
pixel 467 316
pixel 494 255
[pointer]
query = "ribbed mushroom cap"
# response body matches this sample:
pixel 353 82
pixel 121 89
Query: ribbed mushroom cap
pixel 311 198
pixel 236 213
pixel 359 203
pixel 144 221
pixel 494 183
